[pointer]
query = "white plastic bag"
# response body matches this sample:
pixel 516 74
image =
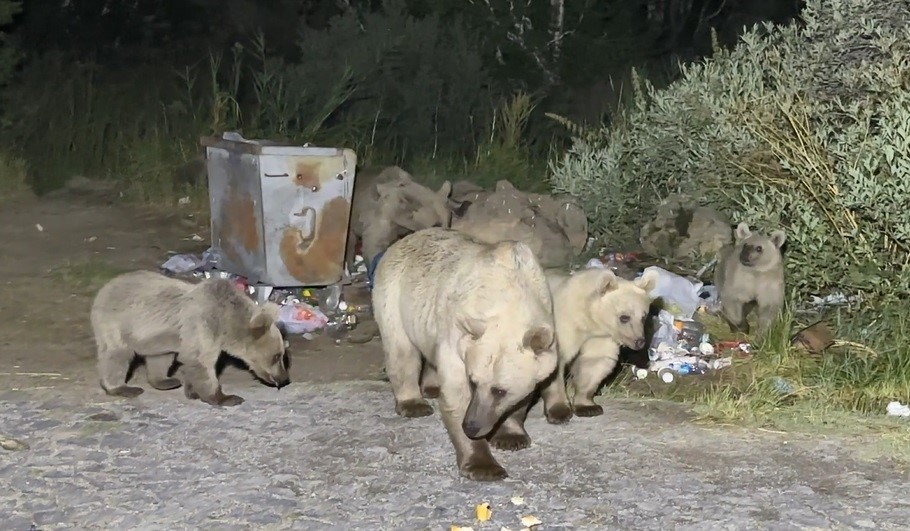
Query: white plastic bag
pixel 301 318
pixel 678 292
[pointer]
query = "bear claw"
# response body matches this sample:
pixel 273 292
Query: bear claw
pixel 414 408
pixel 589 411
pixel 559 414
pixel 484 471
pixel 510 441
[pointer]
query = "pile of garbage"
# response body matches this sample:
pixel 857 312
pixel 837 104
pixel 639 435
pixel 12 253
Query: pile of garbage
pixel 304 311
pixel 680 345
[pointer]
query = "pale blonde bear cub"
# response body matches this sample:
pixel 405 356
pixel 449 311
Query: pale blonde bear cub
pixel 157 318
pixel 750 275
pixel 596 313
pixel 481 316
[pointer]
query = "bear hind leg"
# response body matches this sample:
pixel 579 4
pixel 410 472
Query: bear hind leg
pixel 157 368
pixel 113 366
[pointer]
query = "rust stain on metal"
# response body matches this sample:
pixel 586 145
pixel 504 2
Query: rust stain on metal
pixel 320 258
pixel 239 225
pixel 307 175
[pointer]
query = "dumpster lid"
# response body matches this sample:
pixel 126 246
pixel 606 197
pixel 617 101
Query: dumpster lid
pixel 234 141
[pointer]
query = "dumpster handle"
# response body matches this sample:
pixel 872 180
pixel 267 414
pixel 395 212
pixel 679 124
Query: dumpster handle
pixel 276 175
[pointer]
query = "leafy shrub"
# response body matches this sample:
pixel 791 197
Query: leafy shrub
pixel 805 126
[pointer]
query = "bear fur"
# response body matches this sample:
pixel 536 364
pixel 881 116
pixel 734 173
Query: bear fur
pixel 554 227
pixel 157 318
pixel 480 318
pixel 596 312
pixel 388 205
pixel 750 275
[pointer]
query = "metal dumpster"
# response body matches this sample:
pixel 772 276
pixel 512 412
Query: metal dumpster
pixel 279 213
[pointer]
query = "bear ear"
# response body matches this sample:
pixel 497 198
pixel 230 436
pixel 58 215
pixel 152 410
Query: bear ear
pixel 606 282
pixel 539 339
pixel 445 190
pixel 472 327
pixel 260 322
pixel 742 231
pixel 514 255
pixel 778 238
pixel 648 280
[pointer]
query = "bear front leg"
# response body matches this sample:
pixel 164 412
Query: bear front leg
pixel 735 315
pixel 767 314
pixel 511 434
pixel 402 366
pixel 429 381
pixel 555 401
pixel 474 458
pixel 201 382
pixel 157 368
pixel 597 360
pixel 113 365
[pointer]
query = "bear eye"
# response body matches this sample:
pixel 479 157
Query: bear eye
pixel 498 392
pixel 758 248
pixel 624 319
pixel 276 358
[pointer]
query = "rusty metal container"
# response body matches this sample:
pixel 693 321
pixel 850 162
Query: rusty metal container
pixel 279 213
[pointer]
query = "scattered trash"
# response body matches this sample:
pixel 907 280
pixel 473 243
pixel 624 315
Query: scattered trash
pixel 833 299
pixel 896 409
pixel 39 227
pixel 12 445
pixel 782 385
pixel 678 292
pixel 530 521
pixel 185 200
pixel 301 318
pixel 90 239
pixel 517 500
pixel 461 528
pixel 484 512
pixel 814 338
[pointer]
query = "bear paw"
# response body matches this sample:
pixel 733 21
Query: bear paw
pixel 414 408
pixel 589 410
pixel 124 391
pixel 483 470
pixel 559 414
pixel 230 401
pixel 430 391
pixel 165 384
pixel 510 441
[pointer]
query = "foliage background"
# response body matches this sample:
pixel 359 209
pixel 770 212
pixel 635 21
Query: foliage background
pixel 805 126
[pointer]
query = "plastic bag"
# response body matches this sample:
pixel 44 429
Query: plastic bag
pixel 680 293
pixel 301 318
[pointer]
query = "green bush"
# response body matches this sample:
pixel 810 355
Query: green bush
pixel 805 126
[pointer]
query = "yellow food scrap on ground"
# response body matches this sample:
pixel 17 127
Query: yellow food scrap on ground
pixel 530 521
pixel 484 512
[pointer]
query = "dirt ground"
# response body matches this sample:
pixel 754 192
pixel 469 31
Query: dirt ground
pixel 328 452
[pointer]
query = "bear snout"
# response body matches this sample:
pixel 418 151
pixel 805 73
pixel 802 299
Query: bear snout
pixel 470 428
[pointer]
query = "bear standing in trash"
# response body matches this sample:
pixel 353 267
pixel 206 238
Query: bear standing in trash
pixel 750 274
pixel 596 313
pixel 481 316
pixel 157 317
